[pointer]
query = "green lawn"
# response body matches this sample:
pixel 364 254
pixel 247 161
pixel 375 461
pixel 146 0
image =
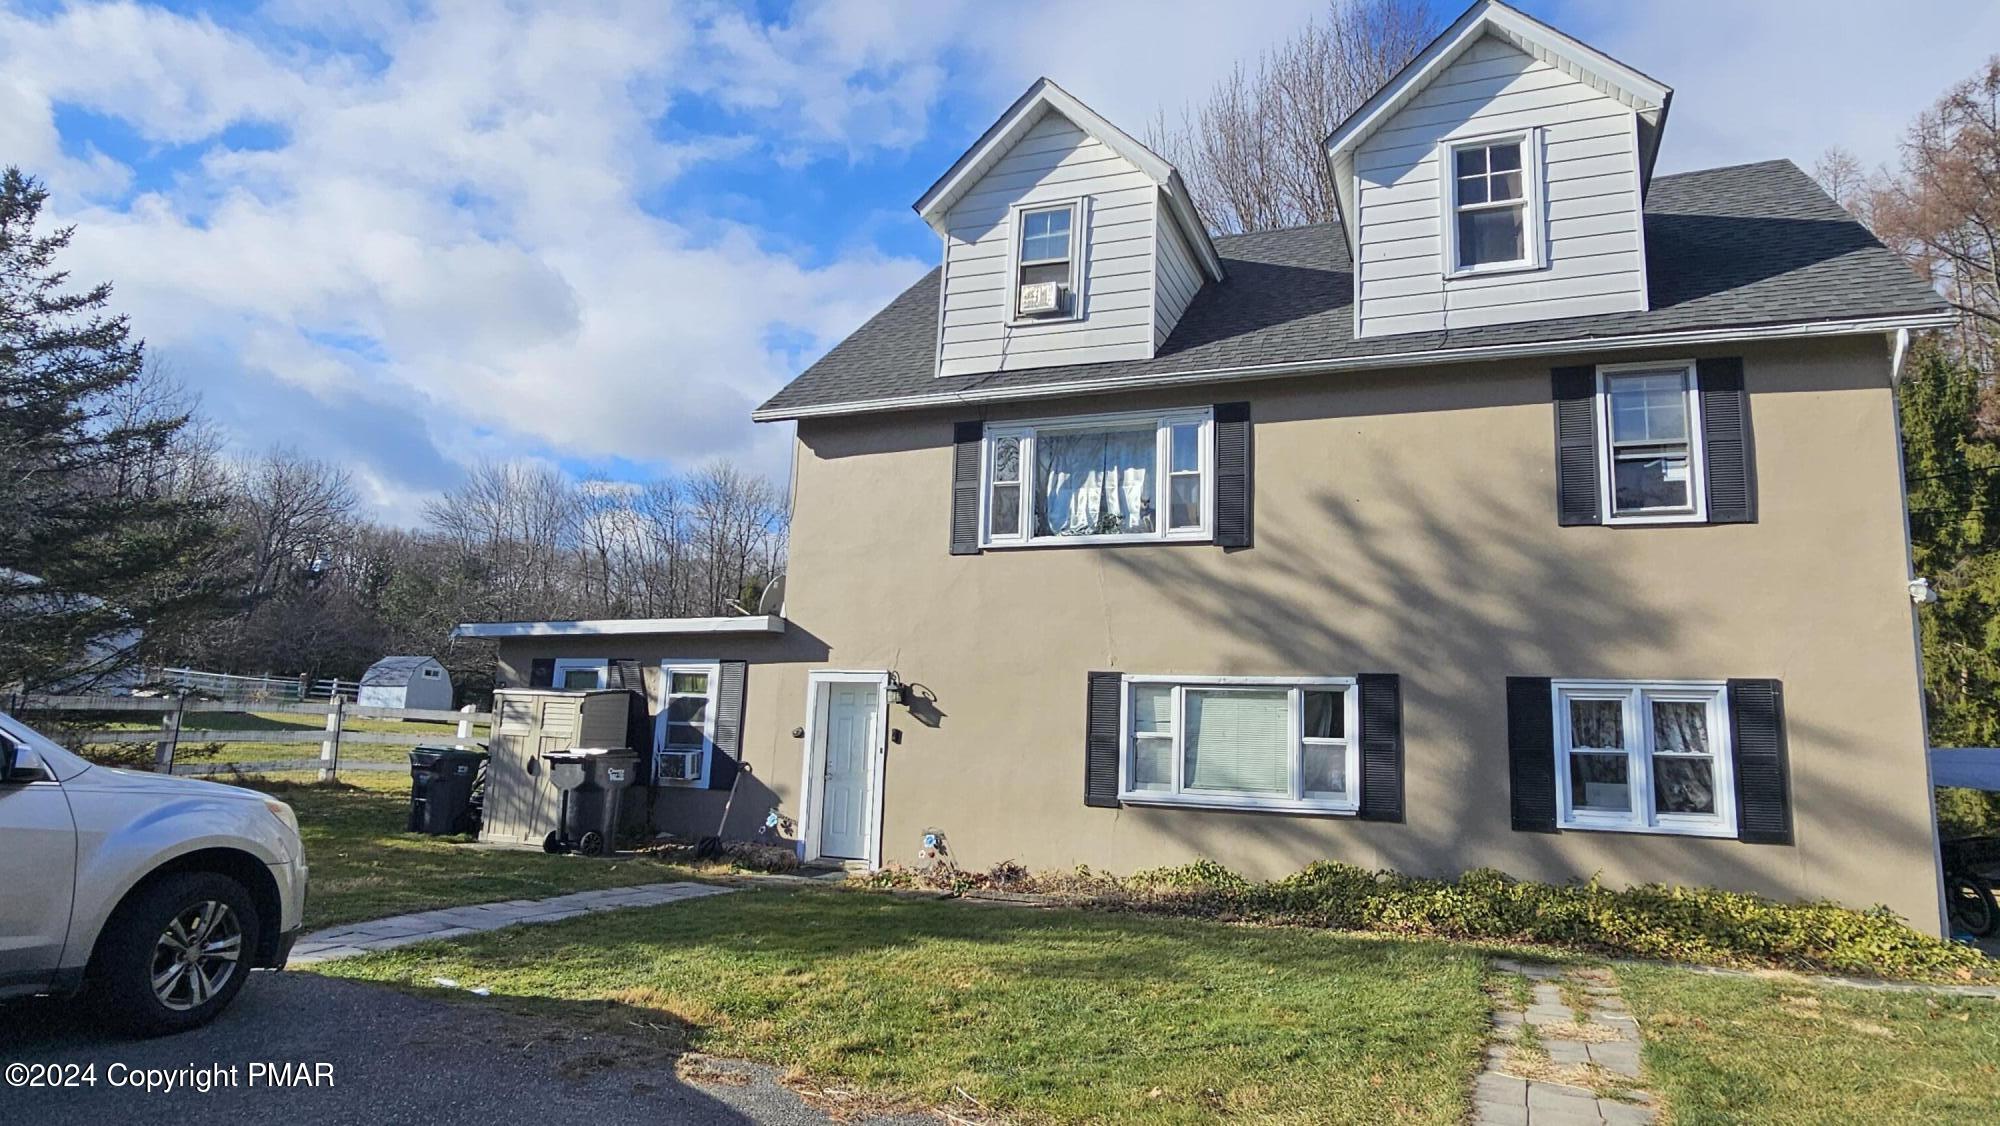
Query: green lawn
pixel 1062 1015
pixel 364 866
pixel 1082 1016
pixel 1733 1049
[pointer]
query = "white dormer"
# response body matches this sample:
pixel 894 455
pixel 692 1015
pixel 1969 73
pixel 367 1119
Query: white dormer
pixel 1066 241
pixel 1499 178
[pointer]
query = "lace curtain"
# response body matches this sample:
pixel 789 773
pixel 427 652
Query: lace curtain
pixel 1094 483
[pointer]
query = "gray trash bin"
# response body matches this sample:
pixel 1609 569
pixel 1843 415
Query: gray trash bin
pixel 591 783
pixel 442 781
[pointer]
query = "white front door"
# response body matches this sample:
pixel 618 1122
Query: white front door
pixel 847 740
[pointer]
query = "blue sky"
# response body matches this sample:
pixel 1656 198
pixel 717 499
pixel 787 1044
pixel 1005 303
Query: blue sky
pixel 410 237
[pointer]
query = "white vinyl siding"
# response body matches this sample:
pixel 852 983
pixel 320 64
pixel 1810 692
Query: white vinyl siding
pixel 1053 163
pixel 1176 279
pixel 1592 252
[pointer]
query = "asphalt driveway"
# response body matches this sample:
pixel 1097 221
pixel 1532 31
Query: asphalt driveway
pixel 395 1058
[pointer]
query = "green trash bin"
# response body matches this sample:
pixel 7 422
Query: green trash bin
pixel 442 781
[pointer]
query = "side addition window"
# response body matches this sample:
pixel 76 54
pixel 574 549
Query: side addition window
pixel 1652 433
pixel 686 724
pixel 1495 220
pixel 581 674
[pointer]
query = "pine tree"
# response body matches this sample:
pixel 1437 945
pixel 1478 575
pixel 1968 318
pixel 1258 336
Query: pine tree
pixel 1953 470
pixel 89 549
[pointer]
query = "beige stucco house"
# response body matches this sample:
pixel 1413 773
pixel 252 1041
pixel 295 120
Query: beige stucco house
pixel 1544 514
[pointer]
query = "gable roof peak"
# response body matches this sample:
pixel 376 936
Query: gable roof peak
pixel 1043 96
pixel 1647 96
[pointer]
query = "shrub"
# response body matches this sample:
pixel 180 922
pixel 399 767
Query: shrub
pixel 1649 921
pixel 1967 813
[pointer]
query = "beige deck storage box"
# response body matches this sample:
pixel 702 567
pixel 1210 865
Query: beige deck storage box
pixel 521 804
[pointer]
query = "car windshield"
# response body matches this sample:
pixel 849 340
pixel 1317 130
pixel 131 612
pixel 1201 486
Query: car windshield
pixel 60 762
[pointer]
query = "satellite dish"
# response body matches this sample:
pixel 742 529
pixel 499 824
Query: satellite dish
pixel 773 600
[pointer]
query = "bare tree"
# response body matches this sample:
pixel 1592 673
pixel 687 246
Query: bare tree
pixel 1839 172
pixel 1942 211
pixel 291 510
pixel 662 511
pixel 736 528
pixel 1251 153
pixel 519 521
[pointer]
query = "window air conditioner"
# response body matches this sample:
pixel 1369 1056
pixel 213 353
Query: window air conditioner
pixel 1043 299
pixel 677 766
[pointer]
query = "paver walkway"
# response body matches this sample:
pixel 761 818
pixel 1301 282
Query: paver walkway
pixel 1557 1065
pixel 349 939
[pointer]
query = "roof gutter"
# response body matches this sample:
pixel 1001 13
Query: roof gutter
pixel 1327 366
pixel 615 627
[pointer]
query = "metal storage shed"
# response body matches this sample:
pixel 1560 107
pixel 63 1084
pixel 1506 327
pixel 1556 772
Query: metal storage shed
pixel 405 682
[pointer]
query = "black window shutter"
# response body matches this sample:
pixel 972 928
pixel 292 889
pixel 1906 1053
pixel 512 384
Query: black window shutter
pixel 1101 739
pixel 624 672
pixel 967 441
pixel 1232 474
pixel 1725 440
pixel 1575 392
pixel 723 764
pixel 1757 735
pixel 1381 746
pixel 542 673
pixel 1531 753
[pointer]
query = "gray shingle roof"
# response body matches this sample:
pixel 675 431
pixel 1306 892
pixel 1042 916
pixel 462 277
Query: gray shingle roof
pixel 394 670
pixel 1744 246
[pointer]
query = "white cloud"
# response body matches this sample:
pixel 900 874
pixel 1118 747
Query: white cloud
pixel 455 239
pixel 1758 81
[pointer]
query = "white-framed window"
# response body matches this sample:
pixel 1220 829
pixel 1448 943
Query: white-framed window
pixel 1649 756
pixel 1270 743
pixel 684 729
pixel 1103 478
pixel 1650 455
pixel 1044 252
pixel 433 674
pixel 581 674
pixel 1492 186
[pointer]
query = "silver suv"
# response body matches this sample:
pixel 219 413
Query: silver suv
pixel 150 894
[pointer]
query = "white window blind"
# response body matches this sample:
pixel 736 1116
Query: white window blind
pixel 1239 741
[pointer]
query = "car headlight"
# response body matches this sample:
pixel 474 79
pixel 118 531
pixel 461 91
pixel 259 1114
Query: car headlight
pixel 284 814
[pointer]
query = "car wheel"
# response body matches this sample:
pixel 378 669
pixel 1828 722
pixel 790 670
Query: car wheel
pixel 1971 903
pixel 175 953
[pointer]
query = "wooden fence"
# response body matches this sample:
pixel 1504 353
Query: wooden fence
pixel 174 713
pixel 228 686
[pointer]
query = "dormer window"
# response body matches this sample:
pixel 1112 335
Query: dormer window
pixel 1045 261
pixel 1496 219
